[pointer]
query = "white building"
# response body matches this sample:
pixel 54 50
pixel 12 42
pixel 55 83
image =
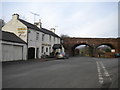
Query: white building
pixel 39 40
pixel 12 47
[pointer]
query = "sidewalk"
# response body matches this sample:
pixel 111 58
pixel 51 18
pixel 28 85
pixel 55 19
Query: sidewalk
pixel 43 59
pixel 27 61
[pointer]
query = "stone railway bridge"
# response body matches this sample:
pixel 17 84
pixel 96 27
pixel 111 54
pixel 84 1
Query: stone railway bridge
pixel 70 43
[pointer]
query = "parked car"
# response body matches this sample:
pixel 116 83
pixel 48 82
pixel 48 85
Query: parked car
pixel 117 55
pixel 62 55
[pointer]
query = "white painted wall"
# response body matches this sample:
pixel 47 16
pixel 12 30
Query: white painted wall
pixel 14 26
pixel 33 42
pixel 46 43
pixel 13 51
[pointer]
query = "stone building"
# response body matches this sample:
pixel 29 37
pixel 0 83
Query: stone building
pixel 39 40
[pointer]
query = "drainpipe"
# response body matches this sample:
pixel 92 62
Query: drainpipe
pixel 27 41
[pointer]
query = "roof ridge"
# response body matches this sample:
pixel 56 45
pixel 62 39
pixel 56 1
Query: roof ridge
pixel 27 22
pixel 32 26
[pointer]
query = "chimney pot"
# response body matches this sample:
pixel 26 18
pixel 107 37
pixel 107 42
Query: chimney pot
pixel 53 30
pixel 15 16
pixel 38 24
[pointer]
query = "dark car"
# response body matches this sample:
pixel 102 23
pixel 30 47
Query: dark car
pixel 62 55
pixel 117 55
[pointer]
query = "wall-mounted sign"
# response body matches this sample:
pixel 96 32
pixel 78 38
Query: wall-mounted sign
pixel 22 35
pixel 46 44
pixel 21 30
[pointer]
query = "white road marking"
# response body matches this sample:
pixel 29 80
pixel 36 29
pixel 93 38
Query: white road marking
pixel 100 77
pixel 105 71
pixel 100 66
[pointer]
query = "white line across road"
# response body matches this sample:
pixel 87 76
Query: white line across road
pixel 104 74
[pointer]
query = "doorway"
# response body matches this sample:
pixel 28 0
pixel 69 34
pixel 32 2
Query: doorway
pixel 31 53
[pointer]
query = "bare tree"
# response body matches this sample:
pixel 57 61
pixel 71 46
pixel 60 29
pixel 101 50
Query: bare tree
pixel 64 36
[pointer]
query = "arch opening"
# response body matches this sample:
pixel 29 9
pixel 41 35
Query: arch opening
pixel 82 49
pixel 105 50
pixel 106 44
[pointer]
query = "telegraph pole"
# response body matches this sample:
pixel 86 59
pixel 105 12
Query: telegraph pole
pixel 35 14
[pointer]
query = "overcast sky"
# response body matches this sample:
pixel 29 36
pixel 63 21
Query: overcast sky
pixel 76 19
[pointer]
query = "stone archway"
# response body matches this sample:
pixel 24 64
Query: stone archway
pixel 108 44
pixel 69 43
pixel 88 50
pixel 105 50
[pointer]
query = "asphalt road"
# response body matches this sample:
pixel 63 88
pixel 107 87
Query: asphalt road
pixel 75 72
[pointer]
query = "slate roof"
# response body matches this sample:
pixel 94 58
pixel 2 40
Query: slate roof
pixel 11 37
pixel 49 32
pixel 32 26
pixel 29 25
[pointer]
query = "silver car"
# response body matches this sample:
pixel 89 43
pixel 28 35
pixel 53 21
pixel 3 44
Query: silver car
pixel 62 55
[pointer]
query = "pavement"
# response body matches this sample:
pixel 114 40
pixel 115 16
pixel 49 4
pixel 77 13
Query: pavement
pixel 75 72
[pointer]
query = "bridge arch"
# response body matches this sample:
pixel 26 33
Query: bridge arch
pixel 88 46
pixel 107 44
pixel 72 42
pixel 104 49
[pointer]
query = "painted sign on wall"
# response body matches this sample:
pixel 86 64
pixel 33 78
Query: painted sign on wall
pixel 21 30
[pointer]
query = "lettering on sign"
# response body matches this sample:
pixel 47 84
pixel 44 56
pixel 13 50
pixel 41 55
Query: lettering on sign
pixel 46 44
pixel 21 35
pixel 21 30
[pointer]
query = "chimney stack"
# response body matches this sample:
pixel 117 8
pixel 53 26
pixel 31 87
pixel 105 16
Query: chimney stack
pixel 38 24
pixel 53 30
pixel 15 16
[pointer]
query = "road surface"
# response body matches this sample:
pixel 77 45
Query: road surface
pixel 75 72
